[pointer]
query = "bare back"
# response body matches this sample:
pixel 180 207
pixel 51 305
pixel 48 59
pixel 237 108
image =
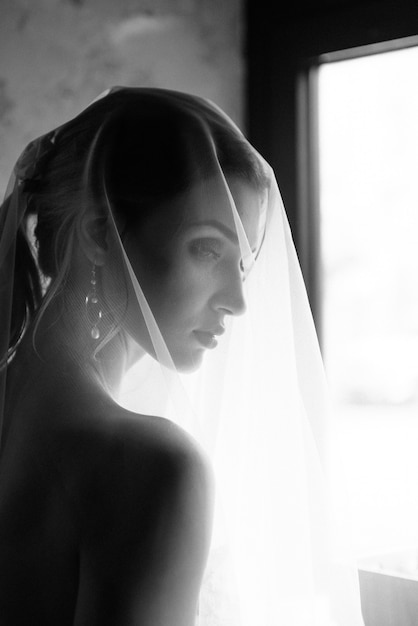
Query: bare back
pixel 104 514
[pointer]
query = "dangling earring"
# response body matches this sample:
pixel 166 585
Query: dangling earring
pixel 94 312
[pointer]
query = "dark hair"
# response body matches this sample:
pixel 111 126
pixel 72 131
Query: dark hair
pixel 147 158
pixel 127 148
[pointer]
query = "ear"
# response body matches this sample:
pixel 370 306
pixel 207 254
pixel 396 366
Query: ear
pixel 92 235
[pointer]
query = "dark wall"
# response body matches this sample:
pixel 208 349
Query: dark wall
pixel 283 44
pixel 280 42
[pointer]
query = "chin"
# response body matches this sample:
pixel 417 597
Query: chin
pixel 187 363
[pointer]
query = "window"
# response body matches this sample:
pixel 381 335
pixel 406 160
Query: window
pixel 368 201
pixel 287 54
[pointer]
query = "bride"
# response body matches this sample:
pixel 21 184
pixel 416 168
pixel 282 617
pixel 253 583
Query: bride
pixel 130 238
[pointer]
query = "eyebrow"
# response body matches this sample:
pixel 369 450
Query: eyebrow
pixel 229 234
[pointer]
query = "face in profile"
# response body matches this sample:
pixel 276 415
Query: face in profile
pixel 189 259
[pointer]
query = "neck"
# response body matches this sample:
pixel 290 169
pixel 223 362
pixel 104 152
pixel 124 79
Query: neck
pixel 63 338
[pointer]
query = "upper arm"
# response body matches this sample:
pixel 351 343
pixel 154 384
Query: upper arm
pixel 145 563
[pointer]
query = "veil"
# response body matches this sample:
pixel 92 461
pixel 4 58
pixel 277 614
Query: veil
pixel 258 402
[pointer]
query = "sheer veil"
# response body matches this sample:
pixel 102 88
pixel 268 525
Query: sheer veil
pixel 258 402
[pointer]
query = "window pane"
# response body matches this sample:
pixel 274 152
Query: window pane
pixel 368 123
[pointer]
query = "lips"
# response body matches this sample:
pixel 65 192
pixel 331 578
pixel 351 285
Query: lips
pixel 207 338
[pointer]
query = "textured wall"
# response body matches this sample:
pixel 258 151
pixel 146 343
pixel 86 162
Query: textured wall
pixel 57 55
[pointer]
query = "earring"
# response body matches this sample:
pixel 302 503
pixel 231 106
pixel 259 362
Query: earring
pixel 93 310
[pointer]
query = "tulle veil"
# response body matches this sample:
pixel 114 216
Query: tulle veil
pixel 258 404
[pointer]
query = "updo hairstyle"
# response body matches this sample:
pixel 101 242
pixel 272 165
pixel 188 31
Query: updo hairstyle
pixel 131 149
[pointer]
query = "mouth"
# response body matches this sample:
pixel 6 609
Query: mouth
pixel 206 338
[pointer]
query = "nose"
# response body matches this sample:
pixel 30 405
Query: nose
pixel 230 299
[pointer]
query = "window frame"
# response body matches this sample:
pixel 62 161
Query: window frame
pixel 284 49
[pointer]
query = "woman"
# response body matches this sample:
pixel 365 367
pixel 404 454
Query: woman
pixel 156 223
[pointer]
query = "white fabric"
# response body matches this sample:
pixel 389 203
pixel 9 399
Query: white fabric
pixel 258 404
pixel 280 551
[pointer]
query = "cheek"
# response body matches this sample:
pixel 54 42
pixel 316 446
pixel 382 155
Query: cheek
pixel 176 286
pixel 183 293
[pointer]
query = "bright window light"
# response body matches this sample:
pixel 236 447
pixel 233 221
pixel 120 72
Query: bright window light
pixel 368 125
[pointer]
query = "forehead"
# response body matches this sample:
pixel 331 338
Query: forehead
pixel 231 203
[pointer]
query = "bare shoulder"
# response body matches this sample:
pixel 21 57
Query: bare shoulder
pixel 165 448
pixel 147 527
pixel 159 439
pixel 131 463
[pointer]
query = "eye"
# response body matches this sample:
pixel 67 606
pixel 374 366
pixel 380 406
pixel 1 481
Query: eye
pixel 206 249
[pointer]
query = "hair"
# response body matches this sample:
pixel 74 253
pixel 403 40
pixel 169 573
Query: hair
pixel 126 148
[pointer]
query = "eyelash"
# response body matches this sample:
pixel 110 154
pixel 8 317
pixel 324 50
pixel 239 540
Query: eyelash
pixel 209 249
pixel 205 249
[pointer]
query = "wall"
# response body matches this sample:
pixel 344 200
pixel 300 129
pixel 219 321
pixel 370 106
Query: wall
pixel 57 55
